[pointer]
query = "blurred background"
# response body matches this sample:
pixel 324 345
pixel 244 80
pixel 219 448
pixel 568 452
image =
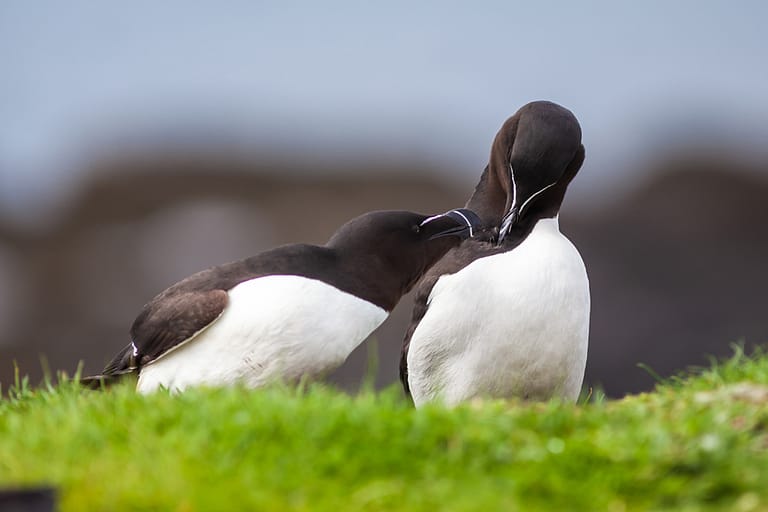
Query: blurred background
pixel 144 141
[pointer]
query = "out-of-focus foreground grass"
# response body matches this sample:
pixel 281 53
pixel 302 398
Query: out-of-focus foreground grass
pixel 699 442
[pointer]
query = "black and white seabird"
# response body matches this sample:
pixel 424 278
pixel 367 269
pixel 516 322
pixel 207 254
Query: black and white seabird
pixel 510 317
pixel 291 312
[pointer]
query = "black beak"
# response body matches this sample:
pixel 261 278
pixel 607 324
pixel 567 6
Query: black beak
pixel 507 222
pixel 460 222
pixel 517 212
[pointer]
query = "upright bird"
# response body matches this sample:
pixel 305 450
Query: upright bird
pixel 510 317
pixel 291 312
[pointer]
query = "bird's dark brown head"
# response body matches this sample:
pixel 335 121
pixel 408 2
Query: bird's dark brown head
pixel 393 249
pixel 534 156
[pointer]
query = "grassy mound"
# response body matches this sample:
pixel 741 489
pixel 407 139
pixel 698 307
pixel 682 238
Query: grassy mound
pixel 696 443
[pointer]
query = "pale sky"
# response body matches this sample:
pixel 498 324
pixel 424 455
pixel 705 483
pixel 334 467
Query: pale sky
pixel 400 80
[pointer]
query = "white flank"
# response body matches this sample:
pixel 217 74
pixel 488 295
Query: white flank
pixel 274 328
pixel 511 324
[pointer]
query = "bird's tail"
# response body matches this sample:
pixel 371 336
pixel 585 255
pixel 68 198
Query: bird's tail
pixel 105 380
pixel 122 365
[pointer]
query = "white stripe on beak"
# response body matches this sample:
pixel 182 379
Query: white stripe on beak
pixel 469 224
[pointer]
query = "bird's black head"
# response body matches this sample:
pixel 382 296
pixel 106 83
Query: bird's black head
pixel 395 248
pixel 534 157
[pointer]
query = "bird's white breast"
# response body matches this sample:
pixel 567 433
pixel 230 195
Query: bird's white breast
pixel 510 324
pixel 274 328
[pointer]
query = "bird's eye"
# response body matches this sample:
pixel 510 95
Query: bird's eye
pixel 415 228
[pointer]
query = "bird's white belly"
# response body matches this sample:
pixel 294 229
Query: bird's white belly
pixel 514 324
pixel 274 328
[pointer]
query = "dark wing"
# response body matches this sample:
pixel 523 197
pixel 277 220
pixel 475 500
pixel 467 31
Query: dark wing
pixel 170 320
pixel 455 260
pixel 419 310
pixel 194 303
pixel 123 362
pixel 163 324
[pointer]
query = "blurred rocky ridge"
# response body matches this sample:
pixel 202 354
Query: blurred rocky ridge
pixel 677 266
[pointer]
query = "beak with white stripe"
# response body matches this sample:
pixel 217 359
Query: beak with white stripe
pixel 510 320
pixel 445 224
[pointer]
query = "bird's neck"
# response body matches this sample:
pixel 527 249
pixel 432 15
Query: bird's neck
pixel 529 224
pixel 375 278
pixel 489 200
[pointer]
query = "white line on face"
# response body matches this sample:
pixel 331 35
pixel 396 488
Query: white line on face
pixel 508 218
pixel 534 195
pixel 514 187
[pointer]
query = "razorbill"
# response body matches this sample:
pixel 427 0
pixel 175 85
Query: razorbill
pixel 508 317
pixel 292 312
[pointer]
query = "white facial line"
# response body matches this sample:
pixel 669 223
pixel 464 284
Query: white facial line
pixel 135 349
pixel 536 194
pixel 514 187
pixel 469 224
pixel 507 220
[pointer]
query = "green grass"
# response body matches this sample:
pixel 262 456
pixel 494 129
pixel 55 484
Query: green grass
pixel 697 443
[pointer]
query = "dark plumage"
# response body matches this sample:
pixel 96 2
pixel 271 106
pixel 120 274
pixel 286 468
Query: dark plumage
pixel 542 143
pixel 376 257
